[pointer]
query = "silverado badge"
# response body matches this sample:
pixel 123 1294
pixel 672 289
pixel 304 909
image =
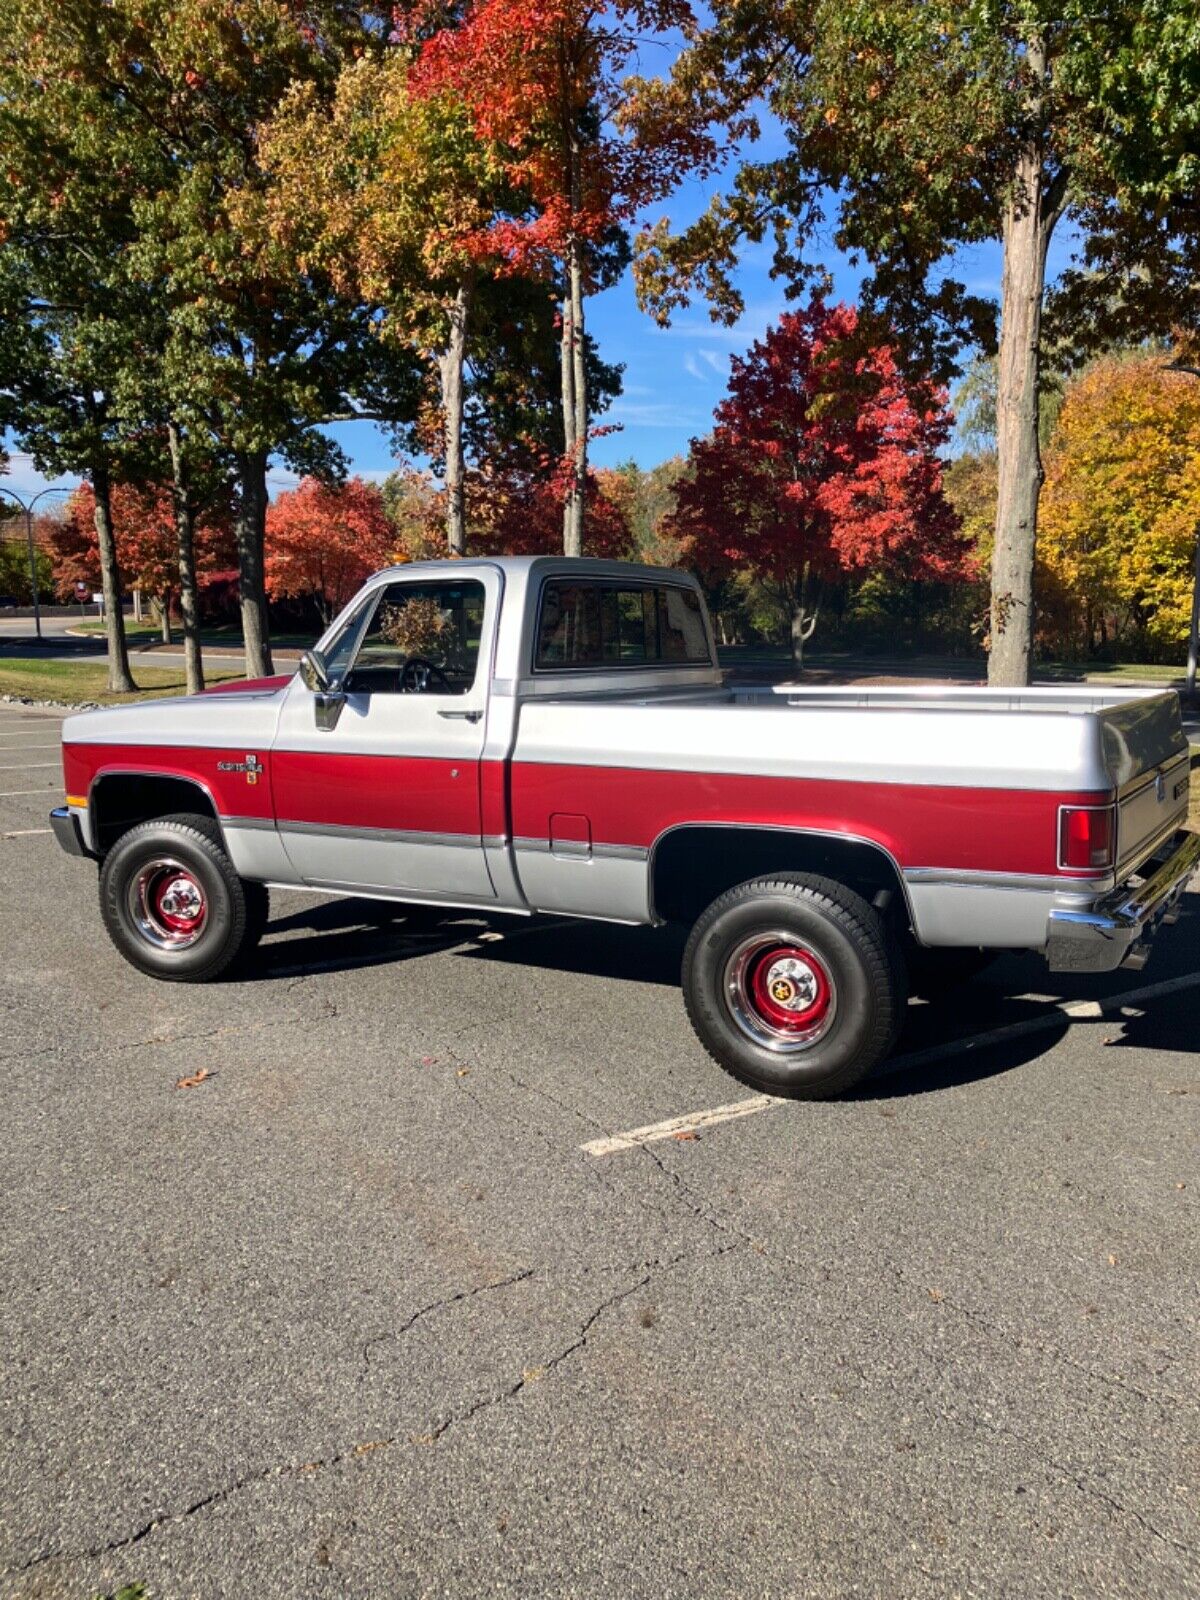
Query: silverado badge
pixel 252 766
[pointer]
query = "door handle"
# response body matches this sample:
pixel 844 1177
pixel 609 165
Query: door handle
pixel 461 716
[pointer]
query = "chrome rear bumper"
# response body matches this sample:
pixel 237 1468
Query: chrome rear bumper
pixel 1116 931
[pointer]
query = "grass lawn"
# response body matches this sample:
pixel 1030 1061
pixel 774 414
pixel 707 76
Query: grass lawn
pixel 75 681
pixel 226 633
pixel 1104 672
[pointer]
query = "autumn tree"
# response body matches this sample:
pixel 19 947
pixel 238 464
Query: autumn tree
pixel 823 461
pixel 143 520
pixel 931 126
pixel 518 512
pixel 547 86
pixel 324 541
pixel 646 498
pixel 392 194
pixel 253 351
pixel 66 308
pixel 1121 507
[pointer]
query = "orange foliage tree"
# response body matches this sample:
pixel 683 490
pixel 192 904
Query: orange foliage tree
pixel 1121 508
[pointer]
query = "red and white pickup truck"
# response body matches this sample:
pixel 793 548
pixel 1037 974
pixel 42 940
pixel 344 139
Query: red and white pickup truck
pixel 543 735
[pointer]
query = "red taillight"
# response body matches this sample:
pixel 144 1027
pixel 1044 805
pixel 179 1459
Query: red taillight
pixel 1086 835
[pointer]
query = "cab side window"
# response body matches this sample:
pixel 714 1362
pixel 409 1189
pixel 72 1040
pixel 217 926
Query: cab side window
pixel 422 639
pixel 589 624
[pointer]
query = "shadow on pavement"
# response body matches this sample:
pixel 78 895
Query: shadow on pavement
pixel 1014 992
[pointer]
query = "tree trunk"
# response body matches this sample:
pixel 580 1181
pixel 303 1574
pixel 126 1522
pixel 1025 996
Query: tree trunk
pixel 572 545
pixel 579 370
pixel 250 532
pixel 574 373
pixel 120 679
pixel 1029 219
pixel 450 371
pixel 804 623
pixel 185 544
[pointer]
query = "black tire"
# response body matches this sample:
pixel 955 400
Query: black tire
pixel 138 879
pixel 933 972
pixel 856 967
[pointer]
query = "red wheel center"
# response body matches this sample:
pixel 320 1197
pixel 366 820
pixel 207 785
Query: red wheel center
pixel 789 987
pixel 179 902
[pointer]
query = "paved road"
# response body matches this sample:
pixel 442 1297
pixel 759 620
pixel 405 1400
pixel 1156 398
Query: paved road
pixel 358 1316
pixel 18 638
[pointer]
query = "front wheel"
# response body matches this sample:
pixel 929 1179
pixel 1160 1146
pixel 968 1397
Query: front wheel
pixel 173 904
pixel 794 985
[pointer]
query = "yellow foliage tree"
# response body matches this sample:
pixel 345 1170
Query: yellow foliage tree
pixel 1120 511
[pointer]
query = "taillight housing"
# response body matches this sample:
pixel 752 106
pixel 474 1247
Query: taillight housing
pixel 1087 838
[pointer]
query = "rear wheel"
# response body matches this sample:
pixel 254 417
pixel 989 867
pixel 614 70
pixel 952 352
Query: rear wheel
pixel 173 904
pixel 795 985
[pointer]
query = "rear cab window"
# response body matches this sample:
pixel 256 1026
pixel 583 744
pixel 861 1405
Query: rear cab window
pixel 597 625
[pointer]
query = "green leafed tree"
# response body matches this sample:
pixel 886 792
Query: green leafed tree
pixel 245 350
pixel 928 125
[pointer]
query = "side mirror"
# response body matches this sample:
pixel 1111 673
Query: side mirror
pixel 328 698
pixel 314 671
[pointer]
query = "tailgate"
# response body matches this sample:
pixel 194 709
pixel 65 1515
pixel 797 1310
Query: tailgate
pixel 1147 753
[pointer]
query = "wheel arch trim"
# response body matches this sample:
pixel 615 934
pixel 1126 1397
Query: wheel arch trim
pixel 773 827
pixel 99 776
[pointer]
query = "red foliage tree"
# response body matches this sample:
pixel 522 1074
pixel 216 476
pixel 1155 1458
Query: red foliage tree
pixel 323 542
pixel 518 512
pixel 584 146
pixel 147 546
pixel 823 461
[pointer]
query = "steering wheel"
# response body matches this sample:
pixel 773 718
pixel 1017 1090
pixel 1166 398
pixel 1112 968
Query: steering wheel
pixel 417 674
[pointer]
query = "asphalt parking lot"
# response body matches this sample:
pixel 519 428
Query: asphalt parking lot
pixel 364 1312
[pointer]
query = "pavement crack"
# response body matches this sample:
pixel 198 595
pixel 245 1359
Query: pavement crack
pixel 458 1298
pixel 699 1207
pixel 534 1374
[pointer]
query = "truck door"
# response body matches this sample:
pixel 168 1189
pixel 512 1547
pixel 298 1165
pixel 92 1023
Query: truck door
pixel 377 783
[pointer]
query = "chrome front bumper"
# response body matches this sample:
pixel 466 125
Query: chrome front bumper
pixel 1116 931
pixel 68 833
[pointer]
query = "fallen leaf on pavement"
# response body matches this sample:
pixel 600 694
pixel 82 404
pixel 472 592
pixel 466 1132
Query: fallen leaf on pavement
pixel 935 1295
pixel 462 1072
pixel 685 1133
pixel 1112 1261
pixel 196 1077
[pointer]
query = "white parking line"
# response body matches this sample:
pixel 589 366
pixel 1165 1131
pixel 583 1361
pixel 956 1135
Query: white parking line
pixel 16 749
pixel 1072 1011
pixel 29 766
pixel 23 833
pixel 673 1125
pixel 7 794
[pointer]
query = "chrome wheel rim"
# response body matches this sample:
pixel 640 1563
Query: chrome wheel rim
pixel 167 904
pixel 779 992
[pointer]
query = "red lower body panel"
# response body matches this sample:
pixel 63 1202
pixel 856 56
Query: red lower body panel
pixel 985 830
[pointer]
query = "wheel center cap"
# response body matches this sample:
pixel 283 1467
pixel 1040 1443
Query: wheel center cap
pixel 181 899
pixel 792 983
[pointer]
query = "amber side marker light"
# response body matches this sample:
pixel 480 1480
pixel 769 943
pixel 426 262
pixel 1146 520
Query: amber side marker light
pixel 1086 837
pixel 77 800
